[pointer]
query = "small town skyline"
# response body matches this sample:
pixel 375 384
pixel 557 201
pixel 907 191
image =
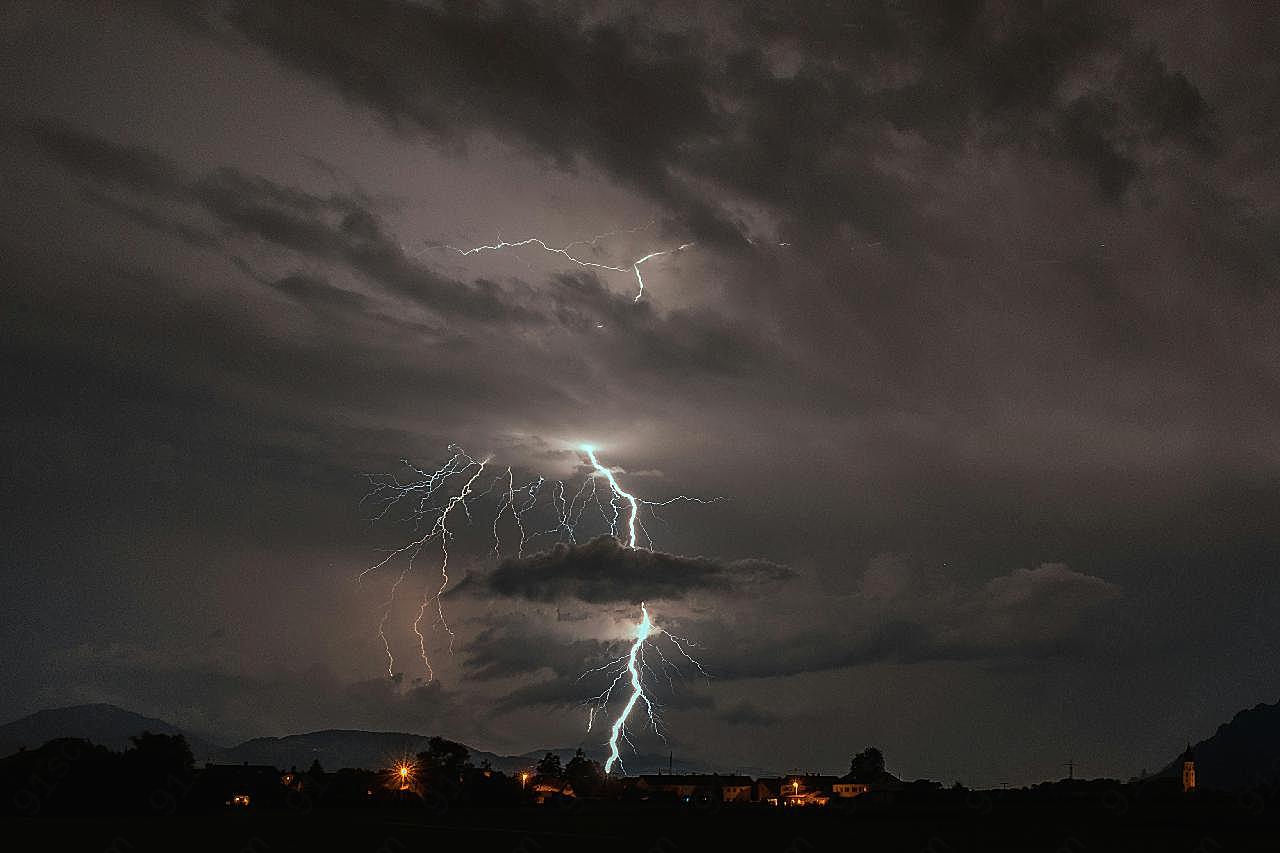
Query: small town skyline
pixel 393 749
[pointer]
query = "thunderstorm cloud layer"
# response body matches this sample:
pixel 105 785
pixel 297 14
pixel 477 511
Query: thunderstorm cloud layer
pixel 603 571
pixel 978 338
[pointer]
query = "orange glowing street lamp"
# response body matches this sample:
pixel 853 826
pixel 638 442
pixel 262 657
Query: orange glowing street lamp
pixel 524 779
pixel 404 771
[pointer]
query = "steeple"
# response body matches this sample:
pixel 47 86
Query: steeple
pixel 1188 770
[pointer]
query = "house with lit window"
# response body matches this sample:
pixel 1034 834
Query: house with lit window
pixel 694 787
pixel 768 791
pixel 807 789
pixel 848 786
pixel 736 789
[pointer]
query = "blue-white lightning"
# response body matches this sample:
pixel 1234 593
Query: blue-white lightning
pixel 617 492
pixel 637 687
pixel 431 500
pixel 633 666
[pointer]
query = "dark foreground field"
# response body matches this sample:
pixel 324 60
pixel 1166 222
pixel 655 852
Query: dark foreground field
pixel 983 824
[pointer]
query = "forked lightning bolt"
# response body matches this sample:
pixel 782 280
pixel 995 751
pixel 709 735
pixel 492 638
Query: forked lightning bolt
pixel 617 492
pixel 431 500
pixel 421 496
pixel 637 687
pixel 389 492
pixel 632 267
pixel 634 669
pixel 633 666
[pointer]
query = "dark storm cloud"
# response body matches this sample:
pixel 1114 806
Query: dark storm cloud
pixel 1029 614
pixel 333 227
pixel 944 70
pixel 652 105
pixel 603 571
pixel 1033 614
pixel 542 669
pixel 149 218
pixel 566 92
pixel 130 166
pixel 545 669
pixel 751 715
pixel 230 703
pixel 518 647
pixel 317 291
pixel 343 228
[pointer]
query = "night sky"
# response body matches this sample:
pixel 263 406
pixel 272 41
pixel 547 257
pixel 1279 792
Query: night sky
pixel 978 342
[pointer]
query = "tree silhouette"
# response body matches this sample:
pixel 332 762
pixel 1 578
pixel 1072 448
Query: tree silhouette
pixel 163 753
pixel 586 776
pixel 867 765
pixel 445 758
pixel 158 770
pixel 549 767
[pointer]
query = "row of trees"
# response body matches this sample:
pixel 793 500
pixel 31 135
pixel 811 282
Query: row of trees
pixel 70 775
pixel 156 775
pixel 585 776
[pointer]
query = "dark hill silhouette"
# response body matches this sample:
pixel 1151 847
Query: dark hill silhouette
pixel 333 748
pixel 101 724
pixel 1243 753
pixel 338 748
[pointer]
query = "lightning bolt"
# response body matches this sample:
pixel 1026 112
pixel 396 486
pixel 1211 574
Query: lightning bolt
pixel 645 629
pixel 632 668
pixel 568 513
pixel 616 492
pixel 632 267
pixel 441 529
pixel 637 687
pixel 388 492
pixel 530 491
pixel 433 497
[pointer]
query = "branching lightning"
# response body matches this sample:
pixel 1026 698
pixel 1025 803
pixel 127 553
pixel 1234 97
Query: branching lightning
pixel 388 492
pixel 633 666
pixel 430 500
pixel 617 492
pixel 634 669
pixel 632 267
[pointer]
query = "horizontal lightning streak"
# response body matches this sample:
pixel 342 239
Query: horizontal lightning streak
pixel 563 251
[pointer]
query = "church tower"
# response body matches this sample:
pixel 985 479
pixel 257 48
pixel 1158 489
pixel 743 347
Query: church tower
pixel 1188 771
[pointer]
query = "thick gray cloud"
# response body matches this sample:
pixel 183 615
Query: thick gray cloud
pixel 603 571
pixel 749 715
pixel 1038 614
pixel 650 104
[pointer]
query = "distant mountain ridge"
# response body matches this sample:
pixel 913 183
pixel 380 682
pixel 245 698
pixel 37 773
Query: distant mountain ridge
pixel 1243 753
pixel 101 723
pixel 333 748
pixel 336 748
